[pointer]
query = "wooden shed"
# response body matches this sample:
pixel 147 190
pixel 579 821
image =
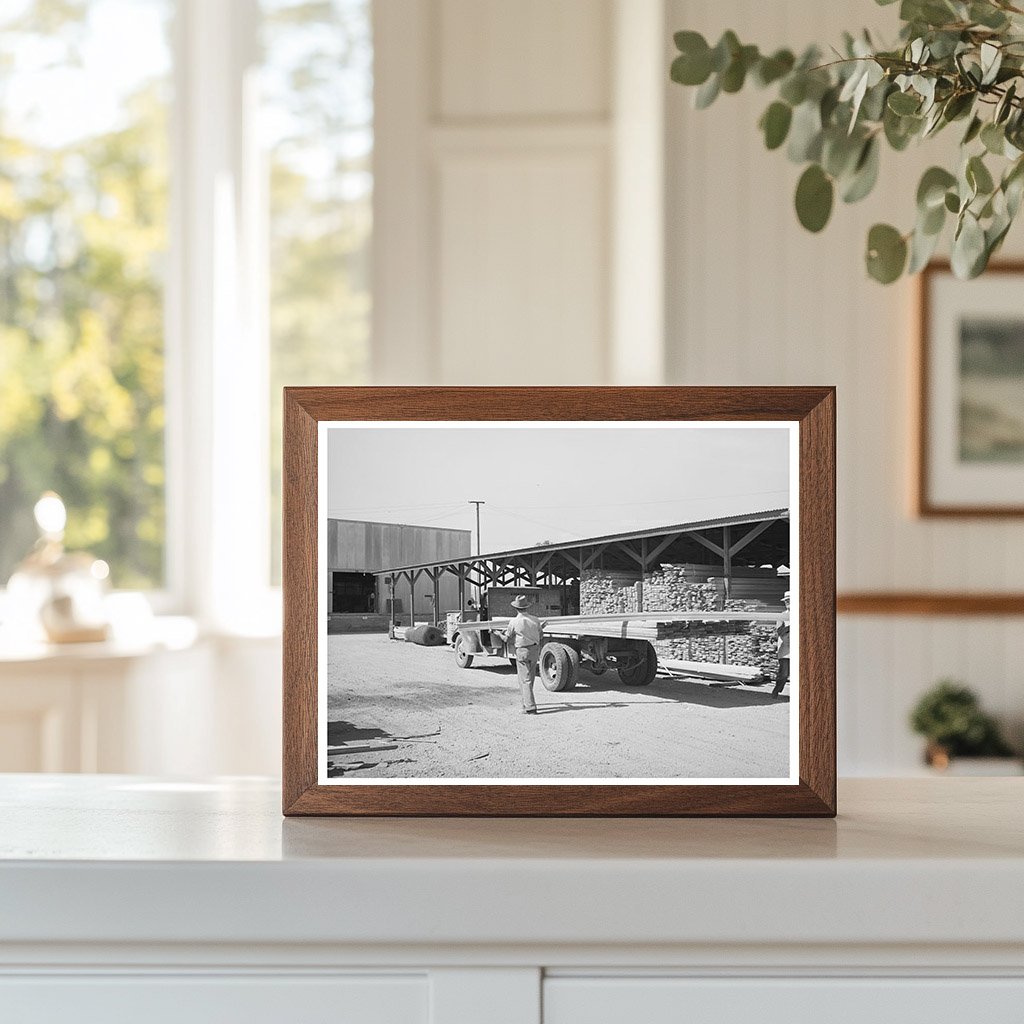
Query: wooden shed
pixel 357 550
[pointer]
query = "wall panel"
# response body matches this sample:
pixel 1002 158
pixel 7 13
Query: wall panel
pixel 754 299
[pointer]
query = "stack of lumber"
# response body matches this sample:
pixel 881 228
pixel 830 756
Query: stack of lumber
pixel 766 589
pixel 692 587
pixel 639 629
pixel 754 644
pixel 604 592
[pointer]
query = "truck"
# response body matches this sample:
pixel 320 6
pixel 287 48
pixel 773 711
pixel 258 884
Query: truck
pixel 623 642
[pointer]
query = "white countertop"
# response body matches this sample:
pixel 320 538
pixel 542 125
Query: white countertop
pixel 119 859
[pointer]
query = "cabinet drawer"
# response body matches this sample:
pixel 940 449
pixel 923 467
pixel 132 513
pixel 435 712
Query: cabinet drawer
pixel 202 999
pixel 661 1000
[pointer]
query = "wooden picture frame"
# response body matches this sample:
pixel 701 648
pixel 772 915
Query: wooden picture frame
pixel 810 790
pixel 937 485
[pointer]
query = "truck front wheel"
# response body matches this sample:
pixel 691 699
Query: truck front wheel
pixel 640 671
pixel 559 666
pixel 462 657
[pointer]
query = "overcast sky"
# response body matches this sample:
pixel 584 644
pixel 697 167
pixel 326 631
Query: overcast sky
pixel 553 483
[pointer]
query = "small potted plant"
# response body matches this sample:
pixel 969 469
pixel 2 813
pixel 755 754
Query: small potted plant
pixel 950 717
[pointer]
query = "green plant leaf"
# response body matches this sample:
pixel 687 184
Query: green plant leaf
pixel 794 88
pixel 707 93
pixel 693 65
pixel 991 57
pixel 771 69
pixel 725 49
pixel 775 124
pixel 952 202
pixel 993 138
pixel 886 254
pixel 931 191
pixel 987 15
pixel 805 133
pixel 839 151
pixel 904 103
pixel 814 194
pixel 968 255
pixel 865 173
pixel 978 176
pixel 1005 105
pixel 973 130
pixel 922 247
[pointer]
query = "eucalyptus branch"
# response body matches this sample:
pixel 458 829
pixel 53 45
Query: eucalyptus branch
pixel 954 60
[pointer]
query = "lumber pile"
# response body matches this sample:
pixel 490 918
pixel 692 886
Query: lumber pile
pixel 693 587
pixel 603 592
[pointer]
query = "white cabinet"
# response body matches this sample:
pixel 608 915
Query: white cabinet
pixel 824 1000
pixel 202 999
pixel 132 898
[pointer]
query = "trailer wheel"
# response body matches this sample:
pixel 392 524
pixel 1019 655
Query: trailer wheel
pixel 462 657
pixel 643 671
pixel 559 666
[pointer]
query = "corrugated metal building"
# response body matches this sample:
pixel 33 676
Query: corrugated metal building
pixel 356 550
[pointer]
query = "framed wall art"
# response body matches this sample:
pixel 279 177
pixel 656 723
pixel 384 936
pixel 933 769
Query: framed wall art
pixel 970 444
pixel 559 601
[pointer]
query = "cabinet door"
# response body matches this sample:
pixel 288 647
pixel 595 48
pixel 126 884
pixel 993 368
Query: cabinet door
pixel 202 999
pixel 783 1000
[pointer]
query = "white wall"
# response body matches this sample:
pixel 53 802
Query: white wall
pixel 754 299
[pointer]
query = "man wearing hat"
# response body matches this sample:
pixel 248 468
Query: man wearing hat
pixel 523 635
pixel 782 647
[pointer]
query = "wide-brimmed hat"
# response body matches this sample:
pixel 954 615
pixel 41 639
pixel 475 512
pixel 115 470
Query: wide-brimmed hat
pixel 785 596
pixel 522 601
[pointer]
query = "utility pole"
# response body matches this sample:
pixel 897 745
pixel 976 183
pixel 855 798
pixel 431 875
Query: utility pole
pixel 478 504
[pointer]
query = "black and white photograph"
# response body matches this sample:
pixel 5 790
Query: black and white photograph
pixel 537 602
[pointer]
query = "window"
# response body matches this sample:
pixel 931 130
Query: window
pixel 317 117
pixel 185 221
pixel 83 235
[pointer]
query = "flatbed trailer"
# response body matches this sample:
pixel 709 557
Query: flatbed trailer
pixel 597 642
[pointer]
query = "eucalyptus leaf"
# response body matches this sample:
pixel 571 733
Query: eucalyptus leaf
pixel 991 60
pixel 987 15
pixel 886 253
pixel 724 51
pixel 805 133
pixel 775 122
pixel 968 248
pixel 771 69
pixel 865 173
pixel 1005 105
pixel 794 88
pixel 903 103
pixel 978 176
pixel 993 138
pixel 922 248
pixel 707 93
pixel 973 130
pixel 931 190
pixel 814 195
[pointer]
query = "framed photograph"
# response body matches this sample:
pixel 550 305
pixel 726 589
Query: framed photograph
pixel 559 601
pixel 970 450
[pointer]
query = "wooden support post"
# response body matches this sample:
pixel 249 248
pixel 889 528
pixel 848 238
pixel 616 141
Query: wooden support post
pixel 462 590
pixel 643 575
pixel 392 580
pixel 437 598
pixel 727 559
pixel 412 598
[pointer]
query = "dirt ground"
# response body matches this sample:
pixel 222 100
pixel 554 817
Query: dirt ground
pixel 397 710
